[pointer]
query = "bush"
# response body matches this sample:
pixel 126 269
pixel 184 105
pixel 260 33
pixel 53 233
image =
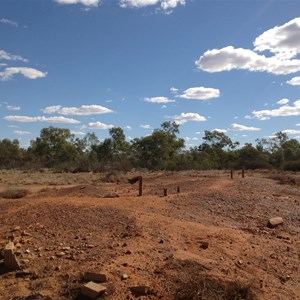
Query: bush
pixel 14 193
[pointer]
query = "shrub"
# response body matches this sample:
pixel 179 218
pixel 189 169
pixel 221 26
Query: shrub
pixel 14 193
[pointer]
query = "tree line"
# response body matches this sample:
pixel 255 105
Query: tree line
pixel 59 150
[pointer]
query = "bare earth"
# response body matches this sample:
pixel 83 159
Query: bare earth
pixel 73 223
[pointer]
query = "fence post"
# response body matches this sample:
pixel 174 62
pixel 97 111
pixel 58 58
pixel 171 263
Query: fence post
pixel 165 192
pixel 140 186
pixel 231 174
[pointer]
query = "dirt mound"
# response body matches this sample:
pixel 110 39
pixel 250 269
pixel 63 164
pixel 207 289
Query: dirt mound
pixel 75 191
pixel 210 240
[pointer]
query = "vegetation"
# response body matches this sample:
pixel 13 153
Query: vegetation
pixel 59 150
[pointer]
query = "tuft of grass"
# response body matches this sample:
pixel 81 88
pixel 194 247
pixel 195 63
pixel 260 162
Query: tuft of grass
pixel 14 193
pixel 191 281
pixel 203 287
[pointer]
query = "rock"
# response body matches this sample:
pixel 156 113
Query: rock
pixel 25 233
pixel 111 195
pixel 17 228
pixel 274 222
pixel 140 290
pixel 124 276
pixel 204 245
pixel 92 290
pixel 60 254
pixel 95 277
pixel 10 260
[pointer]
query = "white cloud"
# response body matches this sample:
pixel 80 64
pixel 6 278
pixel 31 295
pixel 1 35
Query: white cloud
pixel 186 117
pixel 220 130
pixel 29 73
pixel 283 101
pixel 189 139
pixel 291 131
pixel 26 119
pixel 238 127
pixel 137 3
pixel 298 124
pixel 99 125
pixel 247 117
pixel 282 41
pixel 127 127
pixel 78 132
pixel 166 5
pixel 84 110
pixel 158 100
pixel 200 93
pixel 12 107
pixel 283 111
pixel 22 132
pixel 174 90
pixel 7 56
pixel 145 126
pixel 294 81
pixel 9 22
pixel 229 58
pixel 83 2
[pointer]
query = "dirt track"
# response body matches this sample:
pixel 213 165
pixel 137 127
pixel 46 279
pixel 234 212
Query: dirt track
pixel 155 240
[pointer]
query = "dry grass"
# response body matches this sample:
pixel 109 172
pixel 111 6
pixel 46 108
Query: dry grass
pixel 14 193
pixel 194 283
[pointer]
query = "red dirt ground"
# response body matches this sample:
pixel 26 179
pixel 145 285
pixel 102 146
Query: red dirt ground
pixel 157 241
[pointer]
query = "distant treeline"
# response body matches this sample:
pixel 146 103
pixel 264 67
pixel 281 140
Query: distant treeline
pixel 59 150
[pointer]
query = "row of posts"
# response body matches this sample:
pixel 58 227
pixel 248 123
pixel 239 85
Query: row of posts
pixel 178 188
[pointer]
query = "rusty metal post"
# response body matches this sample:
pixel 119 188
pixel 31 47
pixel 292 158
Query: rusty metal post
pixel 231 174
pixel 165 192
pixel 178 190
pixel 243 172
pixel 140 186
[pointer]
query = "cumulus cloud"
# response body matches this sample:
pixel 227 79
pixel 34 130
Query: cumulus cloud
pixel 12 107
pixel 189 139
pixel 9 22
pixel 283 101
pixel 174 90
pixel 158 100
pixel 29 73
pixel 291 131
pixel 146 126
pixel 26 119
pixel 200 93
pixel 220 130
pixel 166 5
pixel 99 125
pixel 238 127
pixel 22 132
pixel 229 58
pixel 83 2
pixel 78 132
pixel 283 111
pixel 294 81
pixel 187 117
pixel 283 42
pixel 7 56
pixel 84 110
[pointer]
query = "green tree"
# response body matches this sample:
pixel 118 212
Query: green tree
pixel 55 146
pixel 217 150
pixel 11 155
pixel 160 149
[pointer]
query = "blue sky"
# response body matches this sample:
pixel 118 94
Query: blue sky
pixel 89 65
